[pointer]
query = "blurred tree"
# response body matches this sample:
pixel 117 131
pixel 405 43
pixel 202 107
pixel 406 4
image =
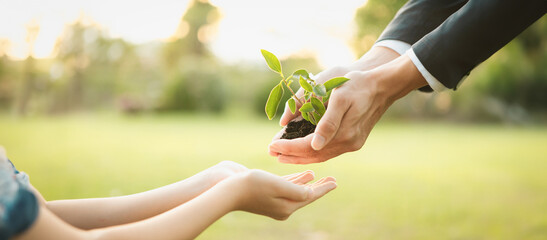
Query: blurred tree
pixel 195 89
pixel 195 82
pixel 517 74
pixel 28 84
pixel 371 20
pixel 192 34
pixel 7 85
pixel 513 80
pixel 70 51
pixel 92 70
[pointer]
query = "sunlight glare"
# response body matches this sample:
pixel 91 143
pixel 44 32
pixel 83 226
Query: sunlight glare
pixel 315 28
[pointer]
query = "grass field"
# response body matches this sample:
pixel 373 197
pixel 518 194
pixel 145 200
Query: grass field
pixel 410 181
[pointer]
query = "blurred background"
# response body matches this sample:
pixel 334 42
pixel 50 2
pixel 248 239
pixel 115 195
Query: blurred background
pixel 107 98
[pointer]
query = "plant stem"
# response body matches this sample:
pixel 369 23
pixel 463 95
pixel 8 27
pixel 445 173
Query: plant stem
pixel 290 89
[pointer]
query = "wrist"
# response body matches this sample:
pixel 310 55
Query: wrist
pixel 375 57
pixel 399 77
pixel 234 191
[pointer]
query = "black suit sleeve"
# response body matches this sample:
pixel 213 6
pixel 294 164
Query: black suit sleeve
pixel 472 34
pixel 419 17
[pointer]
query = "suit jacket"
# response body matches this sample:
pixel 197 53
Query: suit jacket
pixel 451 37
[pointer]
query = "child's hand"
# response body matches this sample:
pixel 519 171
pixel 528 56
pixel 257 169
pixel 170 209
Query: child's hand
pixel 263 193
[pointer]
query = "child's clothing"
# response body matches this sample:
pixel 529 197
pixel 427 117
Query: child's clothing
pixel 18 205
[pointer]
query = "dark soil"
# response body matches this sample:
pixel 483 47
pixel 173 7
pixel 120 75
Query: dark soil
pixel 297 129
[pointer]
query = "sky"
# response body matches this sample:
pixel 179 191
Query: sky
pixel 322 28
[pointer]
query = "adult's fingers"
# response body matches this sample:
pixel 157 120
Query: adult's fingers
pixel 330 122
pixel 320 78
pixel 301 160
pixel 276 138
pixel 296 147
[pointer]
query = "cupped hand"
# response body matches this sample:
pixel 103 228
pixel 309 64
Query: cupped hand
pixel 278 197
pixel 299 150
pixel 353 110
pixel 377 56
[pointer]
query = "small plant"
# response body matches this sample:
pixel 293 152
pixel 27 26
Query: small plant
pixel 315 94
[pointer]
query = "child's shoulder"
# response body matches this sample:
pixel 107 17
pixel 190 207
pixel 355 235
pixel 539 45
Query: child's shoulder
pixel 18 205
pixel 9 175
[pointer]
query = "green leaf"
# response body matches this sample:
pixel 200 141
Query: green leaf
pixel 306 117
pixel 305 84
pixel 307 107
pixel 301 73
pixel 272 61
pixel 317 117
pixel 307 96
pixel 320 90
pixel 292 105
pixel 326 98
pixel 335 82
pixel 318 105
pixel 311 118
pixel 273 101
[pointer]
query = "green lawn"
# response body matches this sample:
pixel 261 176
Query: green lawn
pixel 410 181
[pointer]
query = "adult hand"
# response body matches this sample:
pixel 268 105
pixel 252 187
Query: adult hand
pixel 277 197
pixel 353 110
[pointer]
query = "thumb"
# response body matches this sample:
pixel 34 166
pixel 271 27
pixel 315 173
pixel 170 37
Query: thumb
pixel 329 123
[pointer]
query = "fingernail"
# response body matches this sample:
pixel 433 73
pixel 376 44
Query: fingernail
pixel 318 142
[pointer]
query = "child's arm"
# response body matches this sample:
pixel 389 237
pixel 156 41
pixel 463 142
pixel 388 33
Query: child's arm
pixel 253 191
pixel 104 212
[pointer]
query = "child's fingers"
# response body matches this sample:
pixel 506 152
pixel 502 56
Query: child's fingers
pixel 294 192
pixel 322 189
pixel 318 191
pixel 323 180
pixel 293 175
pixel 304 178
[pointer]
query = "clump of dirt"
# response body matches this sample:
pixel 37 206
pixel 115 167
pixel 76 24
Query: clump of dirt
pixel 297 129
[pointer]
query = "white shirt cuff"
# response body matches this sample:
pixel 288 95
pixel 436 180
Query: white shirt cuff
pixel 398 46
pixel 431 80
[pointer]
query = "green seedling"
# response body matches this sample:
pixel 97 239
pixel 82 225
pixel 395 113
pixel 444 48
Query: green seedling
pixel 312 103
